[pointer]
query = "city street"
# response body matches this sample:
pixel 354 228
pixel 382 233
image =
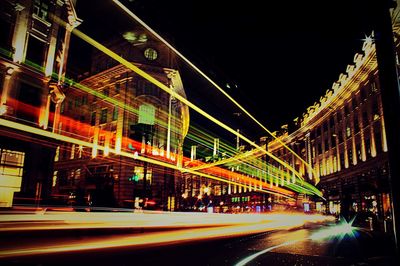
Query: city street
pixel 311 243
pixel 142 132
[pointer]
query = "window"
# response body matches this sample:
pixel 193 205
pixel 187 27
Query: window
pixel 333 140
pixel 317 133
pixel 93 119
pixel 375 110
pixel 28 97
pixel 117 88
pixel 378 140
pixel 365 118
pixel 139 171
pixel 103 117
pixel 41 9
pixel 35 53
pixel 319 147
pixel 6 31
pixel 147 88
pixel 348 109
pixel 374 88
pixel 84 100
pixel 11 163
pixel 358 147
pixel 147 114
pixel 332 124
pixel 356 124
pixel 368 146
pixel 325 126
pixel 339 118
pixel 150 54
pixel 77 101
pixel 115 113
pixel 348 129
pixel 350 152
pixel 342 159
pixel 363 93
pixel 102 140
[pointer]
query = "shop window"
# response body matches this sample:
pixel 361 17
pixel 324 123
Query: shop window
pixel 11 163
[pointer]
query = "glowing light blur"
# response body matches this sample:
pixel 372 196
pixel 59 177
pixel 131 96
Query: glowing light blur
pixel 174 94
pixel 193 227
pixel 338 231
pixel 136 18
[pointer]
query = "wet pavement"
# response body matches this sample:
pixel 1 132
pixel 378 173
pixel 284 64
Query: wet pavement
pixel 279 247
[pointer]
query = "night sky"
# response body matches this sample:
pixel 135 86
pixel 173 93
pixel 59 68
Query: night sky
pixel 282 57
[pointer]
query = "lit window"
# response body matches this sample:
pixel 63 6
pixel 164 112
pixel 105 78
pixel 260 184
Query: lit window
pixel 11 163
pixel 150 54
pixel 348 131
pixel 139 171
pixel 146 114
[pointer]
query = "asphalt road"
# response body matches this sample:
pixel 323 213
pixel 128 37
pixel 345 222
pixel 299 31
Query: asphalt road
pixel 278 247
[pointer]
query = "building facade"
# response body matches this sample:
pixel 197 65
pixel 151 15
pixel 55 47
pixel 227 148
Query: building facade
pixel 124 121
pixel 343 140
pixel 33 56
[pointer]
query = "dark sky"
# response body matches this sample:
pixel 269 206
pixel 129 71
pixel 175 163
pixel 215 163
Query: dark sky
pixel 282 56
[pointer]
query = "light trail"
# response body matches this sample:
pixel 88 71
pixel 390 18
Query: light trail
pixel 81 127
pixel 37 131
pixel 337 231
pixel 78 126
pixel 130 13
pixel 162 86
pixel 221 226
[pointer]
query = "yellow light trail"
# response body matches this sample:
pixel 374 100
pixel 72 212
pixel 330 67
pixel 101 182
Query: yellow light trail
pixel 221 226
pixel 162 86
pixel 56 136
pixel 223 161
pixel 130 13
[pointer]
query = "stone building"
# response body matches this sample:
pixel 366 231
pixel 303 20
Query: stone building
pixel 123 118
pixel 343 141
pixel 33 56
